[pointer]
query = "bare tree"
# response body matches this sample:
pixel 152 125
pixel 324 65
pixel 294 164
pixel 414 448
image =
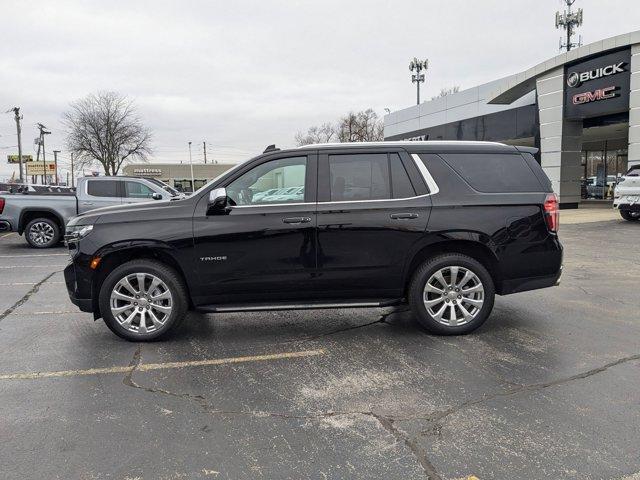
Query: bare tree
pixel 364 126
pixel 104 127
pixel 447 91
pixel 323 134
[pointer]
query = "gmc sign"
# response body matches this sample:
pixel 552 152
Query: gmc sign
pixel 599 86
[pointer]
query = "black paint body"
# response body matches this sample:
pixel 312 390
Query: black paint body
pixel 358 250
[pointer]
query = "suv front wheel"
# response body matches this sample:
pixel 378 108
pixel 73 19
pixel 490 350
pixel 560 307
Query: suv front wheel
pixel 143 300
pixel 451 294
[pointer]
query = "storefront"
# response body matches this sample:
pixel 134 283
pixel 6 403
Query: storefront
pixel 178 175
pixel 581 109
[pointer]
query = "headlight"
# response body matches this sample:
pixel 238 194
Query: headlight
pixel 76 232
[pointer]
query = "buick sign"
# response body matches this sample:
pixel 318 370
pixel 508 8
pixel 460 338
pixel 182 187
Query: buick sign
pixel 575 79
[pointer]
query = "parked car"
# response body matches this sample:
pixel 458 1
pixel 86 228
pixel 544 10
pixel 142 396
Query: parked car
pixel 41 213
pixel 597 191
pixel 440 226
pixel 626 197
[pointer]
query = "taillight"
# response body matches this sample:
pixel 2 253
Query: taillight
pixel 1 204
pixel 552 212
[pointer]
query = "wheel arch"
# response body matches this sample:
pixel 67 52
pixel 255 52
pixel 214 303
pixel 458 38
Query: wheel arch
pixel 115 255
pixel 27 214
pixel 474 249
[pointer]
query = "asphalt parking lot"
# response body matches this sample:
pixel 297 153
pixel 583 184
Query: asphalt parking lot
pixel 549 387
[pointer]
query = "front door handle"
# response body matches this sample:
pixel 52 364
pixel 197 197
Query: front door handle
pixel 295 220
pixel 404 216
pixel 87 203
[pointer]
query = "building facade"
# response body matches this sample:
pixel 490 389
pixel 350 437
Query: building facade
pixel 581 109
pixel 178 175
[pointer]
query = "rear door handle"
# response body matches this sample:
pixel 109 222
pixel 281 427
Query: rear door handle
pixel 295 220
pixel 404 216
pixel 87 203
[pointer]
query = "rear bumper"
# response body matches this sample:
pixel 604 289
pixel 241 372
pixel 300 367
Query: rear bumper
pixel 530 283
pixel 84 304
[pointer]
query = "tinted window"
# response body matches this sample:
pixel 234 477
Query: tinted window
pixel 359 177
pixel 493 172
pixel 102 188
pixel 277 181
pixel 400 184
pixel 137 190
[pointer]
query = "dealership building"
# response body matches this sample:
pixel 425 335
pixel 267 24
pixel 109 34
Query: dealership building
pixel 581 109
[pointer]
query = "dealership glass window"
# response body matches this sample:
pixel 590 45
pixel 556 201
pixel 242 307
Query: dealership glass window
pixel 137 190
pixel 276 181
pixel 359 177
pixel 100 188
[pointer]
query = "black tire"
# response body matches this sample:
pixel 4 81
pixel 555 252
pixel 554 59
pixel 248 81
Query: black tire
pixel 42 233
pixel 417 292
pixel 171 280
pixel 630 216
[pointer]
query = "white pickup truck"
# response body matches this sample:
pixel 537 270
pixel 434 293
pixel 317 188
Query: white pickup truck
pixel 42 218
pixel 626 196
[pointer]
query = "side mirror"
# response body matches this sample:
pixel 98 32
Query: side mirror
pixel 156 196
pixel 218 203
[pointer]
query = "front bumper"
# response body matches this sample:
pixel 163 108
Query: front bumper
pixel 627 202
pixel 84 304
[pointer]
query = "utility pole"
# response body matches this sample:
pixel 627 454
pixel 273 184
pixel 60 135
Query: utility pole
pixel 418 66
pixel 55 163
pixel 568 20
pixel 193 183
pixel 204 150
pixel 43 131
pixel 18 117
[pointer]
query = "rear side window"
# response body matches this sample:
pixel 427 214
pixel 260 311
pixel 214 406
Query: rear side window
pixel 359 177
pixel 400 184
pixel 494 172
pixel 101 188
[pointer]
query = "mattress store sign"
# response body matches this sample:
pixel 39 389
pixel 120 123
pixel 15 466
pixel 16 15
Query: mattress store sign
pixel 599 86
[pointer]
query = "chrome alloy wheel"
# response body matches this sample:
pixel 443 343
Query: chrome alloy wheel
pixel 453 296
pixel 41 233
pixel 141 303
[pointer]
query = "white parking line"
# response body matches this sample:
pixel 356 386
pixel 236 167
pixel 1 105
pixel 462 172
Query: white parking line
pixel 35 255
pixel 161 366
pixel 7 234
pixel 33 266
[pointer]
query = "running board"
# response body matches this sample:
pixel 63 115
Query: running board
pixel 259 307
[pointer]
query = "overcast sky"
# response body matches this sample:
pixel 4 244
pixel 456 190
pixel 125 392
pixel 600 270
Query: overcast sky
pixel 244 74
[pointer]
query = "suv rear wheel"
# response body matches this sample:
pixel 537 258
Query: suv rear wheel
pixel 451 294
pixel 143 300
pixel 42 233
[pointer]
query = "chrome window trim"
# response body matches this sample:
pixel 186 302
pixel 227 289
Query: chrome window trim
pixel 274 205
pixel 431 183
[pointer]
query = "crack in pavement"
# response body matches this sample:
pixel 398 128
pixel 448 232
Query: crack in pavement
pixel 26 296
pixel 439 416
pixel 382 319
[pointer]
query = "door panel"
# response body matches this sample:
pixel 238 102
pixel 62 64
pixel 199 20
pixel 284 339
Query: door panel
pixel 264 248
pixel 363 244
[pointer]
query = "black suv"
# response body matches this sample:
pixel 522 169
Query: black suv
pixel 442 226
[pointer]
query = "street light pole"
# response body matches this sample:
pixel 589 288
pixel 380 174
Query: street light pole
pixel 193 183
pixel 55 163
pixel 18 117
pixel 418 66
